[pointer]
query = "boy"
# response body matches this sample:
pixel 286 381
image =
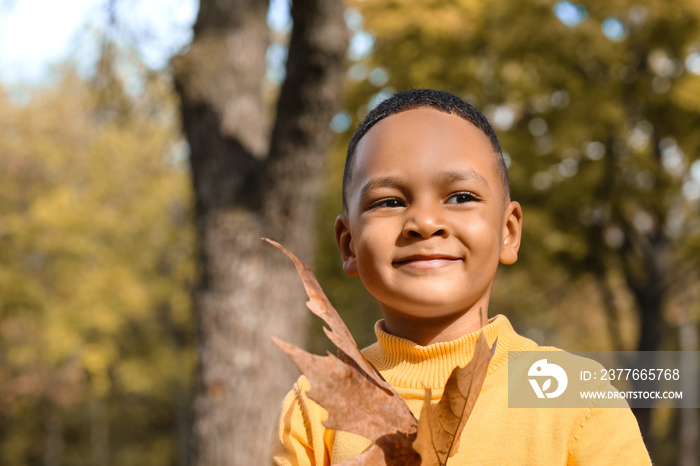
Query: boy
pixel 427 219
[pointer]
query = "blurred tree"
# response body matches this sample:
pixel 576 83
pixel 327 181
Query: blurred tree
pixel 253 179
pixel 96 260
pixel 597 107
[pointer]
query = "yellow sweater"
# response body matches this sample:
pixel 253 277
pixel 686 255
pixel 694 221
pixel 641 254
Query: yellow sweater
pixel 494 434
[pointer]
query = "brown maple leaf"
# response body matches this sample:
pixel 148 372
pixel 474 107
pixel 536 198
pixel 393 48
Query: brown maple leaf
pixel 354 404
pixel 360 401
pixel 441 424
pixel 339 334
pixel 354 393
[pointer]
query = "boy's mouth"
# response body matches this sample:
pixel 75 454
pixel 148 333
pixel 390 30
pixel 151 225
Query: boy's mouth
pixel 429 261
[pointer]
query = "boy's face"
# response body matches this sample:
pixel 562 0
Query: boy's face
pixel 428 219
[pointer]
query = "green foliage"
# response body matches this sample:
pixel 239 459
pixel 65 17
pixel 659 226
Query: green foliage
pixel 96 262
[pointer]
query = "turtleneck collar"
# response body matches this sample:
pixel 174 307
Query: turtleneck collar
pixel 408 365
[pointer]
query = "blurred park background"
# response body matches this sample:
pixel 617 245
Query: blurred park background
pixel 135 300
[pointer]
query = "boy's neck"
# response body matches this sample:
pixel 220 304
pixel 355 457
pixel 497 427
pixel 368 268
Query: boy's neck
pixel 426 331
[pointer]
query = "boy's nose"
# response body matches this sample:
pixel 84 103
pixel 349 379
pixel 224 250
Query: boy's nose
pixel 423 223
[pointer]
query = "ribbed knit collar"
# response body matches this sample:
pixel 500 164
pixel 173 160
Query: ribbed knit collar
pixel 408 365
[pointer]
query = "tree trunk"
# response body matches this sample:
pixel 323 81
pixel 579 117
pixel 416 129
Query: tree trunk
pixel 249 184
pixel 690 424
pixel 53 451
pixel 99 432
pixel 646 272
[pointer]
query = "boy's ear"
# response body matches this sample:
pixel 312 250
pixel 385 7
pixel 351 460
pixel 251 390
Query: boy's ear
pixel 344 242
pixel 512 233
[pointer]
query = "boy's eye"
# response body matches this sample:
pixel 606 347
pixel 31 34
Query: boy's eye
pixel 461 198
pixel 391 203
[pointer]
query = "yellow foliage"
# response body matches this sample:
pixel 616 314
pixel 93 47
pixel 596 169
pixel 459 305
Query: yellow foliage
pixel 686 92
pixel 96 251
pixel 431 18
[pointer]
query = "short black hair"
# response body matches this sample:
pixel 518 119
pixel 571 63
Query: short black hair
pixel 416 98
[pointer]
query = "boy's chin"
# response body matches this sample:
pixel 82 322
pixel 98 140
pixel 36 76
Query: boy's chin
pixel 429 310
pixel 433 300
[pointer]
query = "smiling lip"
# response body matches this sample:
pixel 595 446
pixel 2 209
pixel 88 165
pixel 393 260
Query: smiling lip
pixel 432 261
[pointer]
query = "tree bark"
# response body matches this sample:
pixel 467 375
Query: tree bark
pixel 53 451
pixel 251 182
pixel 645 267
pixel 689 338
pixel 99 432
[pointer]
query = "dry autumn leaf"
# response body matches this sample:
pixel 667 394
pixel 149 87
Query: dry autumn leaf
pixel 339 334
pixel 356 405
pixel 360 401
pixel 441 424
pixel 356 396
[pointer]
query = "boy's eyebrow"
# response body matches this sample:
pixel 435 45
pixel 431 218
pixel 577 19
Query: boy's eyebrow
pixel 464 175
pixel 445 178
pixel 376 183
